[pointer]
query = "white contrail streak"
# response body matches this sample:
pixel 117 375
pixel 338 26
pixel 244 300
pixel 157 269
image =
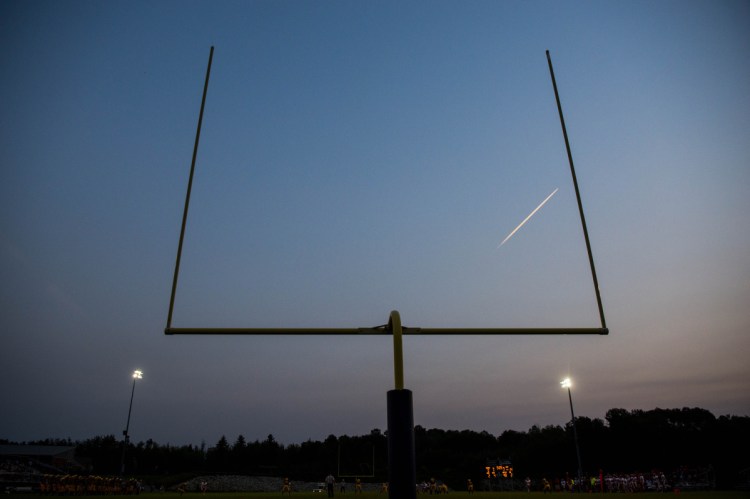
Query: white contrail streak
pixel 527 218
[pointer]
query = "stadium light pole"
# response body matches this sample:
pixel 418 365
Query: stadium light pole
pixel 566 383
pixel 136 376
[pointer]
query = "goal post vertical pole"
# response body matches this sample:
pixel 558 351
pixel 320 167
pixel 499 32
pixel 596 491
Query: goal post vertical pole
pixel 394 324
pixel 402 469
pixel 578 194
pixel 189 188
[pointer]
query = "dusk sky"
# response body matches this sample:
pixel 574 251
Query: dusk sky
pixel 356 158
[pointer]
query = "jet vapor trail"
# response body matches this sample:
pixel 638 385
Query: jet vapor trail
pixel 527 218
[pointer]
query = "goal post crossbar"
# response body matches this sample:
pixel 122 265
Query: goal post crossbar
pixel 385 331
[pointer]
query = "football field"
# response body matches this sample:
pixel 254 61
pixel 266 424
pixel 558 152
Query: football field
pixel 375 495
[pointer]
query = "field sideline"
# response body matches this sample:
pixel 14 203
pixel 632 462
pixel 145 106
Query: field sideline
pixel 375 495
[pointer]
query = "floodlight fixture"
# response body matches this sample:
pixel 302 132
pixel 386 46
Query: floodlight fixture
pixel 566 383
pixel 137 374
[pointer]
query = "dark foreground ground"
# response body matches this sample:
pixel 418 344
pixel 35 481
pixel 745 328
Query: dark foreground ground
pixel 375 495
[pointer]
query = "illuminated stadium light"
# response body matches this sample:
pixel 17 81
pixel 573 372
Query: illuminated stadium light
pixel 137 374
pixel 566 383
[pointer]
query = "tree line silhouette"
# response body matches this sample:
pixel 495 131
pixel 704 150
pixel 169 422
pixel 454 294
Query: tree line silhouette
pixel 625 441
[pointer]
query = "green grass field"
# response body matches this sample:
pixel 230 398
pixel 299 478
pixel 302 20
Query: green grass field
pixel 375 495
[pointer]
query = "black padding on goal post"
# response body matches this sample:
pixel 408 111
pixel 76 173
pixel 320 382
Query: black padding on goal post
pixel 402 474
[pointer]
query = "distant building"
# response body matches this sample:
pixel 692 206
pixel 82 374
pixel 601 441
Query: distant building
pixel 39 458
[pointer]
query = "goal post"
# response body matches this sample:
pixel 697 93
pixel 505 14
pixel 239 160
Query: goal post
pixel 401 450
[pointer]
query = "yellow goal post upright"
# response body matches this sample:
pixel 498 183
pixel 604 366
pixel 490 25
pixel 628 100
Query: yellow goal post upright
pixel 401 450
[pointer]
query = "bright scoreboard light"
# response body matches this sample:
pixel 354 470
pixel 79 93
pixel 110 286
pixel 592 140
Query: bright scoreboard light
pixel 499 471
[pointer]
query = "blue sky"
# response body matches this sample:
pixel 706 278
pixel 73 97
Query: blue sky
pixel 356 158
